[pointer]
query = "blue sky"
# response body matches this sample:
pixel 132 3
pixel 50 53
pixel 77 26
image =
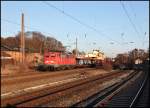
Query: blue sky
pixel 106 16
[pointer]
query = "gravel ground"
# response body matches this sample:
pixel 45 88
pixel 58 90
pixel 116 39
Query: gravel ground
pixel 70 96
pixel 77 95
pixel 9 84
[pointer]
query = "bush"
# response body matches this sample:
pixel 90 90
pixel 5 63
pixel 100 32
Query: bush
pixel 107 67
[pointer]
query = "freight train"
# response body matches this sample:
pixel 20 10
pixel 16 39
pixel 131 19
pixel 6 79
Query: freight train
pixel 58 60
pixel 134 66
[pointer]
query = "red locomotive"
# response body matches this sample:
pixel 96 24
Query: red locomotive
pixel 59 58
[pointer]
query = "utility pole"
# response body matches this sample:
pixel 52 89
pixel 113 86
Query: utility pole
pixel 76 47
pixel 22 39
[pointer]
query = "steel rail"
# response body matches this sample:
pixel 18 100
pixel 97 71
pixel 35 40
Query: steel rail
pixel 106 100
pixel 99 96
pixel 127 98
pixel 139 92
pixel 60 88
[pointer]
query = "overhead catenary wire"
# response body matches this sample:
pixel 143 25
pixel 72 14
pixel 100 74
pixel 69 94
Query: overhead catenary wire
pixel 131 22
pixel 17 24
pixel 80 22
pixel 140 28
pixel 6 20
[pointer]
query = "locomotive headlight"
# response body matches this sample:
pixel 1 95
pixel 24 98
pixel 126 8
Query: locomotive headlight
pixel 46 61
pixel 52 61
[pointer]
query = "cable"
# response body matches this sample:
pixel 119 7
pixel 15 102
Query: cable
pixel 24 26
pixel 133 25
pixel 140 28
pixel 10 21
pixel 80 22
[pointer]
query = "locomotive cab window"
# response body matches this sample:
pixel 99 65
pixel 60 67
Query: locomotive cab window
pixel 46 56
pixel 53 55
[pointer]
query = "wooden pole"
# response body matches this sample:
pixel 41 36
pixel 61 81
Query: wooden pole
pixel 22 39
pixel 76 47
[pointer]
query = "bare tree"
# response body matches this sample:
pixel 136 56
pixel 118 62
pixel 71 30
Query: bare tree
pixel 34 42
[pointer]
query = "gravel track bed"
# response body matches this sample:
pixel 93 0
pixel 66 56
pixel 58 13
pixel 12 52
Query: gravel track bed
pixel 38 74
pixel 71 97
pixel 16 84
pixel 52 89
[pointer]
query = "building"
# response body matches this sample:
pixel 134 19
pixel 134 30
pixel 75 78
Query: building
pixel 96 54
pixel 138 61
pixel 5 57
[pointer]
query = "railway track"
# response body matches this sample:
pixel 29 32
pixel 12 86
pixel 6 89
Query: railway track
pixel 143 100
pixel 130 97
pixel 20 83
pixel 42 97
pixel 99 97
pixel 136 94
pixel 40 75
pixel 127 93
